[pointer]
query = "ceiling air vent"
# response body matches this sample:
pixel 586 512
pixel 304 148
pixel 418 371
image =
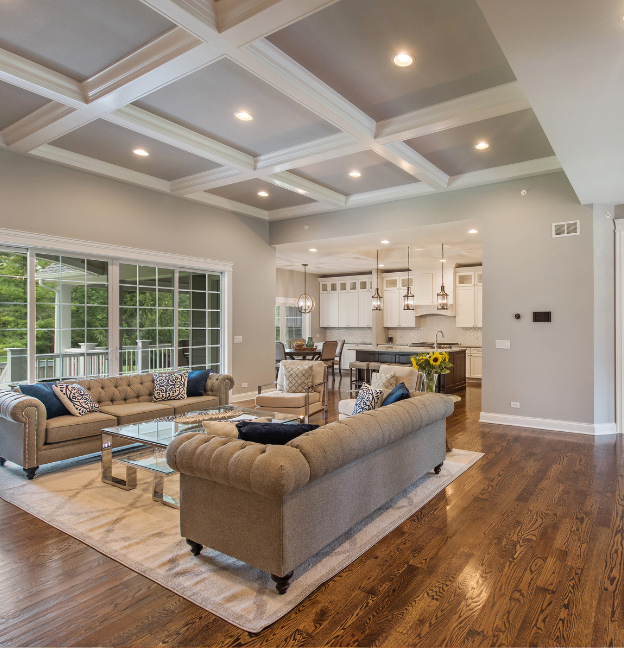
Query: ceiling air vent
pixel 571 228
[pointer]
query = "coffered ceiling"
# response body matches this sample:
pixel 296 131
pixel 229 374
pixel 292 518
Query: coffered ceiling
pixel 85 83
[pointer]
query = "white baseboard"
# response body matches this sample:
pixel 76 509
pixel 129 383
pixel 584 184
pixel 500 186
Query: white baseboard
pixel 548 424
pixel 237 398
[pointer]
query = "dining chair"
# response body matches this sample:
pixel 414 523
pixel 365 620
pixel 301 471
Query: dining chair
pixel 328 355
pixel 338 358
pixel 280 354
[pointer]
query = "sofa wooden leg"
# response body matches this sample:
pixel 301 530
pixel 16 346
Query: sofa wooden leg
pixel 281 582
pixel 195 547
pixel 30 472
pixel 2 461
pixel 438 468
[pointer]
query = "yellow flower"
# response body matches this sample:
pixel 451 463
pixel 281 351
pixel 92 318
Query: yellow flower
pixel 444 356
pixel 435 358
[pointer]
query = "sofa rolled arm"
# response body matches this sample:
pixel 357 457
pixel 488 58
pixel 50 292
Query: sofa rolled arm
pixel 271 471
pixel 18 408
pixel 220 385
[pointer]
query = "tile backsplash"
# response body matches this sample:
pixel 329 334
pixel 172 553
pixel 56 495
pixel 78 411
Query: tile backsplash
pixel 433 323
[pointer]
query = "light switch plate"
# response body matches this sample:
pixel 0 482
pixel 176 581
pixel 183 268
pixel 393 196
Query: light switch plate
pixel 515 404
pixel 503 344
pixel 244 385
pixel 238 339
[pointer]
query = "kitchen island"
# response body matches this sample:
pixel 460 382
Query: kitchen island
pixel 449 383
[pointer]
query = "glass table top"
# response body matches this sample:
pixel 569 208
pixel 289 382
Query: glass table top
pixel 161 432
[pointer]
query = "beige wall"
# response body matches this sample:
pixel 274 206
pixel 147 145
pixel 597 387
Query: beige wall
pixel 289 285
pixel 38 196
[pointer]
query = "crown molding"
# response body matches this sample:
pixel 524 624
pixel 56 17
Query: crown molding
pixel 311 189
pixel 228 205
pixel 338 110
pixel 152 55
pixel 51 242
pixel 507 172
pixel 195 16
pixel 84 163
pixel 204 181
pixel 147 123
pixel 31 76
pixel 356 200
pixel 415 164
pixel 501 100
pixel 19 134
pixel 318 150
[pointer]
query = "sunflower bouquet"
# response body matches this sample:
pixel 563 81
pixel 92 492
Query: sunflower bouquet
pixel 431 364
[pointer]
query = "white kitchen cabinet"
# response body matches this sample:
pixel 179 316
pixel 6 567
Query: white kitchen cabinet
pixel 469 297
pixel 348 313
pixel 329 315
pixel 391 309
pixel 476 363
pixel 407 318
pixel 348 355
pixel 345 302
pixel 365 306
pixel 465 307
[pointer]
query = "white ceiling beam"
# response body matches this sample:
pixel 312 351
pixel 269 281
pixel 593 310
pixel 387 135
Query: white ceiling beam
pixel 508 172
pixel 31 76
pixel 305 187
pixel 84 163
pixel 147 123
pixel 198 17
pixel 500 100
pixel 228 205
pixel 207 180
pixel 413 163
pixel 166 59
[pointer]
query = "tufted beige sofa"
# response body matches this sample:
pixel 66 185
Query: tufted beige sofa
pixel 28 439
pixel 276 506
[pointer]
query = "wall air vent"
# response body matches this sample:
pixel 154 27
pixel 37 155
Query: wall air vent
pixel 571 228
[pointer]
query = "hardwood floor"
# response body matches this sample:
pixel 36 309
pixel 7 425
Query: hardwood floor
pixel 524 549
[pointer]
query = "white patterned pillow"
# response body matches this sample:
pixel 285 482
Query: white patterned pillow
pixel 383 381
pixel 367 399
pixel 75 398
pixel 170 386
pixel 297 378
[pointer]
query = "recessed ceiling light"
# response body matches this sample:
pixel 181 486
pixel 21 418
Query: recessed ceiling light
pixel 381 265
pixel 442 260
pixel 141 152
pixel 472 231
pixel 301 191
pixel 312 250
pixel 385 242
pixel 482 145
pixel 403 59
pixel 263 193
pixel 243 115
pixel 355 174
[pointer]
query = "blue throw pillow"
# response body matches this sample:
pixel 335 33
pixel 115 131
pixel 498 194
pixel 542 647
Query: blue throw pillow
pixel 45 393
pixel 196 382
pixel 399 393
pixel 272 433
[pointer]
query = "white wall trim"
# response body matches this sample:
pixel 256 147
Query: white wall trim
pixel 548 424
pixel 619 324
pixel 61 243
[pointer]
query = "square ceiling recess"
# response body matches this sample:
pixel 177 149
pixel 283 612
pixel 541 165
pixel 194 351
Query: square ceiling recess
pixel 246 192
pixel 16 103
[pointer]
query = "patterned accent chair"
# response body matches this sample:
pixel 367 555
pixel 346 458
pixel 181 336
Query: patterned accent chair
pixel 303 405
pixel 28 439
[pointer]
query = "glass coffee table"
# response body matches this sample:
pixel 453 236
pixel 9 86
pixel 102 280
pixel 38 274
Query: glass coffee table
pixel 158 434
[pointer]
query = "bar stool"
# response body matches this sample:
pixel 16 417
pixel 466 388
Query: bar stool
pixel 357 365
pixel 373 367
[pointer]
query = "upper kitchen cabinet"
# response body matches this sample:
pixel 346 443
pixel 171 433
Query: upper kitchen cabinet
pixel 469 297
pixel 346 302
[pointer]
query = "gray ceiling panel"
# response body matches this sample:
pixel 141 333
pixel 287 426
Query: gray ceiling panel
pixel 247 193
pixel 113 144
pixel 77 38
pixel 376 173
pixel 350 45
pixel 16 103
pixel 207 100
pixel 516 137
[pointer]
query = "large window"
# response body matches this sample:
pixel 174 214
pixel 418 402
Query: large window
pixel 289 322
pixel 61 317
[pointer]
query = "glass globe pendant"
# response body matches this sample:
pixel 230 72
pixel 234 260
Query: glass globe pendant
pixel 305 302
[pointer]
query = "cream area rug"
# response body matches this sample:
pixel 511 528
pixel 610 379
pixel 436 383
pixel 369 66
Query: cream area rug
pixel 129 527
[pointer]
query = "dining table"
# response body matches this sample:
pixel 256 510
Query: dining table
pixel 303 354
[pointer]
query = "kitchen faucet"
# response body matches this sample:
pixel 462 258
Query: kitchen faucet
pixel 436 342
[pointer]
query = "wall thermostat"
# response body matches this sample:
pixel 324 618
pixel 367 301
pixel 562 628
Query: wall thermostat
pixel 543 316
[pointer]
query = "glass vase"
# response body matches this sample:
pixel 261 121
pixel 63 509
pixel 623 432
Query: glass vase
pixel 430 383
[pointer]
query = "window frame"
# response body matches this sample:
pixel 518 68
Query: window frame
pixel 306 318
